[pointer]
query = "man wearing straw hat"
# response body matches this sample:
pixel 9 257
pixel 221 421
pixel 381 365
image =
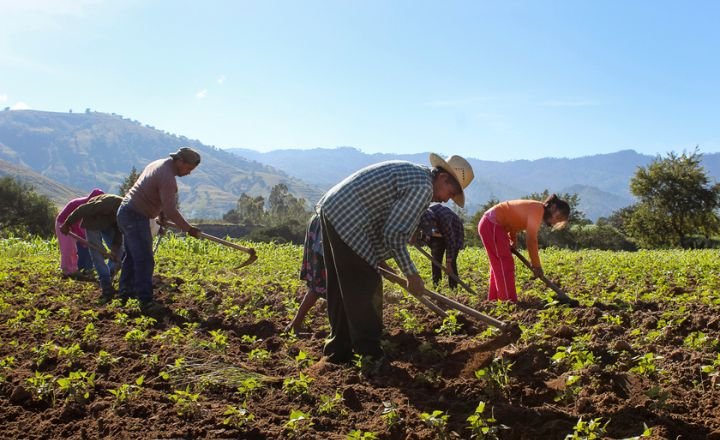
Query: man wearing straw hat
pixel 366 219
pixel 153 194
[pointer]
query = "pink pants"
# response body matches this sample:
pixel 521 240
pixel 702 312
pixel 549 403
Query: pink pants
pixel 68 251
pixel 502 266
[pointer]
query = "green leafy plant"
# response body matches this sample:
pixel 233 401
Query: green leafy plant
pixel 450 325
pixel 186 403
pixel 77 386
pixel 330 405
pixel 298 423
pixel 41 386
pixel 588 430
pixel 6 365
pixel 259 355
pixel 249 386
pixel 105 359
pixel 391 415
pixel 219 341
pixel 302 359
pixel 237 417
pixel 71 354
pixel 136 337
pixel 357 434
pixel 496 375
pixel 646 364
pixel 297 386
pixel 127 392
pixel 483 427
pixel 438 421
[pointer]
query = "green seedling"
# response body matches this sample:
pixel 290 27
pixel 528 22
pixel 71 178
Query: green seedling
pixel 237 417
pixel 438 421
pixel 127 392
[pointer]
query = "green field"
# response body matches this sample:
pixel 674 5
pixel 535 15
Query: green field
pixel 640 356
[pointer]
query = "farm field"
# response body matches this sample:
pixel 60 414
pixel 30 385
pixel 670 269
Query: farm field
pixel 640 357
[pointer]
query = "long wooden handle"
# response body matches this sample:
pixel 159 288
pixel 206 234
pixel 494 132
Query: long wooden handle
pixel 403 283
pixel 100 249
pixel 247 250
pixel 445 269
pixel 544 279
pixel 451 303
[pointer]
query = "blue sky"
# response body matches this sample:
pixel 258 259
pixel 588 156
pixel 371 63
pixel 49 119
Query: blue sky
pixel 495 80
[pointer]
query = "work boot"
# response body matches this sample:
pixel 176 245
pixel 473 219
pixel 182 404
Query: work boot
pixel 108 292
pixel 153 309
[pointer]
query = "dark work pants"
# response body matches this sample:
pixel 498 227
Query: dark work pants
pixel 437 250
pixel 354 301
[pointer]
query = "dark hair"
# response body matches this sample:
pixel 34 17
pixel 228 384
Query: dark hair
pixel 435 172
pixel 560 205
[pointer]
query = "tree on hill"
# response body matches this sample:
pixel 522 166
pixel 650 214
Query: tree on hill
pixel 128 182
pixel 284 220
pixel 23 211
pixel 676 201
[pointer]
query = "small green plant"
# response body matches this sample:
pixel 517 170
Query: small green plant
pixel 612 319
pixel 136 337
pixel 409 321
pixel 450 325
pixel 438 421
pixel 588 430
pixel 144 322
pixel 218 343
pixel 329 406
pixel 356 434
pixel 44 352
pixel 90 315
pixel 90 333
pixel 482 427
pixel 121 319
pixel 298 423
pixel 71 354
pixel 264 313
pixel 496 374
pixel 248 339
pixel 105 359
pixel 391 415
pixel 127 392
pixel 302 359
pixel 570 391
pixel 6 365
pixel 259 355
pixel 699 341
pixel 248 387
pixel 41 386
pixel 574 355
pixel 77 386
pixel 646 364
pixel 132 305
pixel 186 403
pixel 297 387
pixel 237 417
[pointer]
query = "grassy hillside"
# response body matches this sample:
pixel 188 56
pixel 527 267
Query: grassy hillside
pixel 98 150
pixel 58 193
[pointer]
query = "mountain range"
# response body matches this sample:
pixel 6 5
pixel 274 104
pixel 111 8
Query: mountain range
pixel 601 181
pixel 65 155
pixel 87 150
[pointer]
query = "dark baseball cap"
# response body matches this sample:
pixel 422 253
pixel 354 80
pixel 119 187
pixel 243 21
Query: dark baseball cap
pixel 187 154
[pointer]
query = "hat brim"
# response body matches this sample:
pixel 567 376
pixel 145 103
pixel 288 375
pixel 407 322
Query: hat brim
pixel 439 162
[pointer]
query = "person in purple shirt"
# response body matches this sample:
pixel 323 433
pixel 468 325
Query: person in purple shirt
pixel 444 233
pixel 153 194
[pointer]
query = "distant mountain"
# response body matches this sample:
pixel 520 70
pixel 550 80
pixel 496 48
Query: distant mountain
pixel 602 181
pixel 58 193
pixel 86 150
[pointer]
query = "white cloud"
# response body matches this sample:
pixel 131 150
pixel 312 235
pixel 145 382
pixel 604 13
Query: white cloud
pixel 3 98
pixel 201 94
pixel 221 79
pixel 20 106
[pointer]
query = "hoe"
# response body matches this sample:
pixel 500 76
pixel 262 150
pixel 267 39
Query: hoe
pixel 251 259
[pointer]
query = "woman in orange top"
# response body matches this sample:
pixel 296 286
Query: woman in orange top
pixel 498 230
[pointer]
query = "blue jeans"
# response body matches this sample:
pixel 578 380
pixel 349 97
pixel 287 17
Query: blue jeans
pixel 138 263
pixel 84 261
pixel 103 269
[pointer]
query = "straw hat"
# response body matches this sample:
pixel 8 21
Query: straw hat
pixel 457 167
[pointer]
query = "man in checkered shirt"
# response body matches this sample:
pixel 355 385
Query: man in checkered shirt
pixel 366 219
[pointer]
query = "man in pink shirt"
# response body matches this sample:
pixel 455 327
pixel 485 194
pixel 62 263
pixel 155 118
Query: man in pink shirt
pixel 153 194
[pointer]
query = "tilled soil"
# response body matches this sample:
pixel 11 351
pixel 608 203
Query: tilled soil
pixel 426 372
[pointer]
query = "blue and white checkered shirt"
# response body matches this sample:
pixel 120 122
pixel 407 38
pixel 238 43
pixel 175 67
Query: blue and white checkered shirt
pixel 376 210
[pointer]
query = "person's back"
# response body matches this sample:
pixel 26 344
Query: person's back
pixel 154 189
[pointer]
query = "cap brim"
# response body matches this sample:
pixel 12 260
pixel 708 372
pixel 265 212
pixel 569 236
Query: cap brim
pixel 437 161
